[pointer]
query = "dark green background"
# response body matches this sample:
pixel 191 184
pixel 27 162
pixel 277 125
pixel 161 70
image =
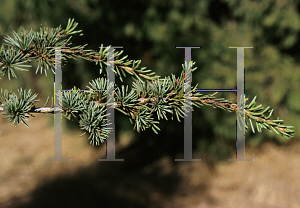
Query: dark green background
pixel 150 30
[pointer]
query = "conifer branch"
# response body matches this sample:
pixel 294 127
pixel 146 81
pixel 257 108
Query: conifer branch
pixel 155 95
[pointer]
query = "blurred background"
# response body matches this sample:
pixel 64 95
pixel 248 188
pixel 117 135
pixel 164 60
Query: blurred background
pixel 149 177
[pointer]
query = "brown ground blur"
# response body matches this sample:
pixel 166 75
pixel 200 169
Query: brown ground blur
pixel 27 180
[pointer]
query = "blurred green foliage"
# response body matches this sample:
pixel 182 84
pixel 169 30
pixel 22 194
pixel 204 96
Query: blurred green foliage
pixel 150 30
